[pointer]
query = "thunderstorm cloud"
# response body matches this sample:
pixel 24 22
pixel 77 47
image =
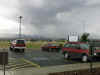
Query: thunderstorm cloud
pixel 50 18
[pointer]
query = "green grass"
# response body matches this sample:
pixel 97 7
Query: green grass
pixel 35 45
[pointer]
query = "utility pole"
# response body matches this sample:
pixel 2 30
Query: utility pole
pixel 20 21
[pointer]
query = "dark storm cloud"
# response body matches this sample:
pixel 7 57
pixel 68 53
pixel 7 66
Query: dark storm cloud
pixel 44 16
pixel 50 18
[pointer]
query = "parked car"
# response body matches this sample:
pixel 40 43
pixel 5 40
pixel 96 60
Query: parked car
pixel 51 47
pixel 76 50
pixel 18 45
pixel 80 50
pixel 97 52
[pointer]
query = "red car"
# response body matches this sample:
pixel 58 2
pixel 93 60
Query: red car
pixel 18 45
pixel 51 47
pixel 76 50
pixel 97 52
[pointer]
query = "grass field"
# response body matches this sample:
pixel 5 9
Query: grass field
pixel 4 44
pixel 34 45
pixel 38 44
pixel 29 44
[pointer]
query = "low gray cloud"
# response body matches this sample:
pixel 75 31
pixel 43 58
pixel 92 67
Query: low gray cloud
pixel 57 18
pixel 45 17
pixel 46 14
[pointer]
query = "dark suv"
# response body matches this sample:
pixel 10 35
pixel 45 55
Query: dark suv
pixel 18 45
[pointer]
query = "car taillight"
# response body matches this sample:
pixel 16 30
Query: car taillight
pixel 20 45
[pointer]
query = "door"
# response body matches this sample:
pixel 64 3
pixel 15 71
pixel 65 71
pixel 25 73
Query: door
pixel 75 50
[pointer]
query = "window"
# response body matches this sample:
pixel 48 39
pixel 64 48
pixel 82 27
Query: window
pixel 84 46
pixel 52 45
pixel 72 46
pixel 20 42
pixel 67 45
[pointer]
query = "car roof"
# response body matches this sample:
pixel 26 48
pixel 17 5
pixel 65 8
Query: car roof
pixel 78 42
pixel 20 39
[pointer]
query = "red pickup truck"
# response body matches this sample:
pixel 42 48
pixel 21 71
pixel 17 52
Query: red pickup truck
pixel 79 50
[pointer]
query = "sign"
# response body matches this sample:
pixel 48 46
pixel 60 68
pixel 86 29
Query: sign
pixel 3 58
pixel 73 38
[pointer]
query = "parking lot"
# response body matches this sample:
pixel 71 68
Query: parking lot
pixel 37 58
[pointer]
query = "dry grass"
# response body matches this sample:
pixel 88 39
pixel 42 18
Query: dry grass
pixel 29 44
pixel 4 44
pixel 38 44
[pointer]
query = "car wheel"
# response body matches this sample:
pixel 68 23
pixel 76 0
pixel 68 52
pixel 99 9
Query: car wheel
pixel 10 48
pixel 23 50
pixel 58 49
pixel 66 55
pixel 42 49
pixel 53 50
pixel 15 50
pixel 84 58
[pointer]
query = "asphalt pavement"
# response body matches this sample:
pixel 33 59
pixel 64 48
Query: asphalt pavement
pixel 37 58
pixel 40 58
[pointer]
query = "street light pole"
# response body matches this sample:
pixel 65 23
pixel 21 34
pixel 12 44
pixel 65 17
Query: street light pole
pixel 20 21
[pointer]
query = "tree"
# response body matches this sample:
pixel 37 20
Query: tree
pixel 84 37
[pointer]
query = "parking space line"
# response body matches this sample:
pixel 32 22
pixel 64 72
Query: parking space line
pixel 32 63
pixel 15 68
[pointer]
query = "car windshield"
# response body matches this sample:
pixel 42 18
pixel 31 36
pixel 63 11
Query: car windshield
pixel 20 42
pixel 67 45
pixel 52 45
pixel 84 46
pixel 71 45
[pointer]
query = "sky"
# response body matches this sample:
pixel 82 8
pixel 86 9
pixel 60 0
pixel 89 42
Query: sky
pixel 49 18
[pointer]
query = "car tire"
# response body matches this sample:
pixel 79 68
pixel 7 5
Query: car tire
pixel 66 55
pixel 15 50
pixel 23 50
pixel 10 49
pixel 84 58
pixel 53 50
pixel 58 49
pixel 42 49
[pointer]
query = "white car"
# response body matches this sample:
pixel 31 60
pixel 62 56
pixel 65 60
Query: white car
pixel 18 45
